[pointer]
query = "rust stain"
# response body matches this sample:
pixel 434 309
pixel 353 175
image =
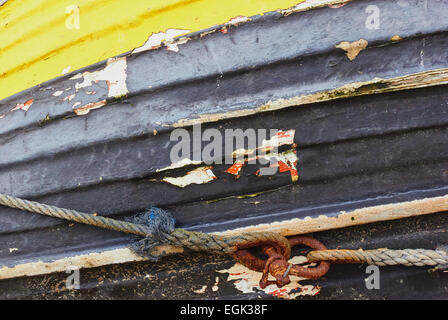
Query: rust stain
pixel 352 49
pixel 182 163
pixel 396 38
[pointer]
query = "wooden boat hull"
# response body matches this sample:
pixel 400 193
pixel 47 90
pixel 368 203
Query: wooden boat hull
pixel 369 133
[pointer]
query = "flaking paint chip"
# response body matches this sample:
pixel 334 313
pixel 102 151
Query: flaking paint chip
pixel 352 49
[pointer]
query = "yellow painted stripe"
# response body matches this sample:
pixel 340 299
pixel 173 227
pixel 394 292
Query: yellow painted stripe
pixel 36 45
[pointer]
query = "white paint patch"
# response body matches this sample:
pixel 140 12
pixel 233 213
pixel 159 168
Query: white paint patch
pixel 85 109
pixel 76 104
pixel 114 74
pixel 182 163
pixel 237 20
pixel 13 249
pixel 155 40
pixel 248 281
pixel 57 93
pixel 200 175
pixel 173 46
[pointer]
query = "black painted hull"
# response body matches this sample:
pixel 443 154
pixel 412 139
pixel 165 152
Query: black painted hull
pixel 371 148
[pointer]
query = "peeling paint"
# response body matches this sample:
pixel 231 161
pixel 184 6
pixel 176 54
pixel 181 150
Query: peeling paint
pixel 69 98
pixel 352 49
pixel 247 281
pixel 57 93
pixel 115 75
pixel 376 85
pixel 173 46
pixel 314 4
pixel 23 106
pixel 182 163
pixel 13 249
pixel 235 169
pixel 285 161
pixel 237 21
pixel 90 106
pixel 199 175
pixel 155 40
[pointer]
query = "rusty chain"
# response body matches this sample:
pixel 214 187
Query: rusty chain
pixel 278 266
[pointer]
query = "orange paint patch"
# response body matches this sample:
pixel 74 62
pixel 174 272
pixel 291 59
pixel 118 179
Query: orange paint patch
pixel 235 168
pixel 23 106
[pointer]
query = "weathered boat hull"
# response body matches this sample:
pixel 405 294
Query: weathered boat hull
pixel 370 135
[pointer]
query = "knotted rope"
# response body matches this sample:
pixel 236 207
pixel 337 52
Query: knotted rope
pixel 157 227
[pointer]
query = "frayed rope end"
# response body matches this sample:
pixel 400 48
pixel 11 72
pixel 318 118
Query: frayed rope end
pixel 160 223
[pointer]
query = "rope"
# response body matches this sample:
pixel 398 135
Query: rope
pixel 72 215
pixel 382 257
pixel 156 227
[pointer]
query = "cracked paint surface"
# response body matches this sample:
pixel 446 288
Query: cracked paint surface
pixel 247 281
pixel 285 161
